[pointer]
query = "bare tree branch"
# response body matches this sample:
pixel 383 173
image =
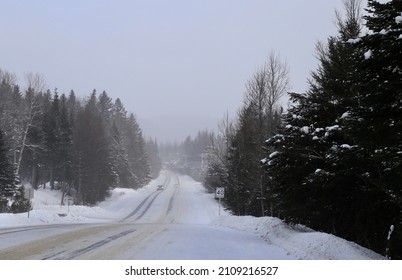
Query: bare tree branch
pixel 277 76
pixel 36 82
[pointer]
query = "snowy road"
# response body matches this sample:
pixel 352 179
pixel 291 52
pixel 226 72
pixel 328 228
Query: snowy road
pixel 174 223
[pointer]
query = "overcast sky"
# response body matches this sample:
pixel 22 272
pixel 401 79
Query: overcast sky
pixel 178 65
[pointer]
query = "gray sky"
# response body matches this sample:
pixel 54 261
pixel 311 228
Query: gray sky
pixel 178 65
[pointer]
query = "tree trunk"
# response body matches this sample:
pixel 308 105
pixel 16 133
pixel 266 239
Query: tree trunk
pixel 35 176
pixel 24 139
pixel 52 177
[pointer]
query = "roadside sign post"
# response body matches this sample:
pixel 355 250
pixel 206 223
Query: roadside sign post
pixel 220 193
pixel 29 194
pixel 68 203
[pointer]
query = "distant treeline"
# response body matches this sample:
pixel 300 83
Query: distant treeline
pixel 187 157
pixel 82 147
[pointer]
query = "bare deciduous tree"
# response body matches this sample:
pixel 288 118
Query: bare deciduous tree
pixel 32 110
pixel 278 82
pixel 264 90
pixel 36 82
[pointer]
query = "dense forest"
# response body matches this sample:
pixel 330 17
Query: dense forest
pixel 332 160
pixel 82 147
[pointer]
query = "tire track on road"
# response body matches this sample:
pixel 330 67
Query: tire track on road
pixel 5 231
pixel 38 248
pixel 174 202
pixel 140 206
pixel 89 248
pixel 148 206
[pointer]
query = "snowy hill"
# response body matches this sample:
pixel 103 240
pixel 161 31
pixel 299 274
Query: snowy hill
pixel 299 242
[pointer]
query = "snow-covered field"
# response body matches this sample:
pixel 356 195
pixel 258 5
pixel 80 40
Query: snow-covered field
pixel 298 242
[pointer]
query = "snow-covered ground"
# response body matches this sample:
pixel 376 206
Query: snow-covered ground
pixel 198 208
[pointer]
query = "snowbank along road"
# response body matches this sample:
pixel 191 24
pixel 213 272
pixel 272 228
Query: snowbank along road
pixel 173 223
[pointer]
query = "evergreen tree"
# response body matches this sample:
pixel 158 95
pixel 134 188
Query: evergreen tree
pixel 7 177
pixel 73 106
pixel 105 106
pixel 124 174
pixel 154 159
pixel 310 184
pixel 375 125
pixel 20 203
pixel 51 136
pixel 65 171
pixel 336 163
pixel 11 191
pixel 94 175
pixel 245 184
pixel 136 152
pixel 126 177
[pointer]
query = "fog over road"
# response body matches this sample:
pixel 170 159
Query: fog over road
pixel 174 223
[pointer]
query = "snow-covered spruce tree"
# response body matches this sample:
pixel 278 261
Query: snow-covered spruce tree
pixel 7 177
pixel 337 164
pixel 375 125
pixel 105 107
pixel 155 162
pixel 125 176
pixel 93 171
pixel 244 180
pixel 64 165
pixel 51 135
pixel 11 191
pixel 136 152
pixel 20 203
pixel 309 184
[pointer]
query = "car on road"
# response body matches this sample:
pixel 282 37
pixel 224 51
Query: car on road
pixel 160 187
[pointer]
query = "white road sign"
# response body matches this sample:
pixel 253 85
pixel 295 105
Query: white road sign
pixel 220 193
